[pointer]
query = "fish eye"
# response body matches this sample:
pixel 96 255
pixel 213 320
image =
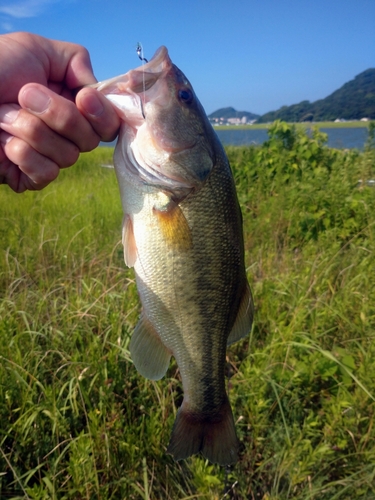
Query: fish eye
pixel 185 96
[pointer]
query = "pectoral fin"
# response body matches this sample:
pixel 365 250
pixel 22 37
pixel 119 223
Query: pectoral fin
pixel 244 320
pixel 174 226
pixel 130 247
pixel 150 356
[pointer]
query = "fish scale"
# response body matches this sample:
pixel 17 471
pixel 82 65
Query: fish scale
pixel 183 236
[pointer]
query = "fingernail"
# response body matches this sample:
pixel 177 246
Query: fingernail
pixel 5 138
pixel 92 105
pixel 8 113
pixel 35 100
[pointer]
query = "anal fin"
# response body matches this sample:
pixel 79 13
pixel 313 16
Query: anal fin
pixel 244 320
pixel 150 356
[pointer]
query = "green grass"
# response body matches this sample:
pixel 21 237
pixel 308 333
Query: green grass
pixel 78 422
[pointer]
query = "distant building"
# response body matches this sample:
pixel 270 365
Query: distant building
pixel 232 121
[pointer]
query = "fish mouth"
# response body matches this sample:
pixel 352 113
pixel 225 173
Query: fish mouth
pixel 145 98
pixel 134 92
pixel 138 81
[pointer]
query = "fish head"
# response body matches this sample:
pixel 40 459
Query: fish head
pixel 166 138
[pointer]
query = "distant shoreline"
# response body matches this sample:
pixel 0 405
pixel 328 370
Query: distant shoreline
pixel 264 126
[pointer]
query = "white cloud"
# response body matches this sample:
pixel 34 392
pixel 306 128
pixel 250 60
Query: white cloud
pixel 24 8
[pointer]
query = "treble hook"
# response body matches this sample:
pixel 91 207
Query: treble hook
pixel 139 50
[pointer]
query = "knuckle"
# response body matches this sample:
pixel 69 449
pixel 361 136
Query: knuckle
pixel 30 127
pixel 70 156
pixel 67 117
pixel 84 53
pixel 74 127
pixel 90 143
pixel 38 168
pixel 56 144
pixel 42 174
pixel 18 150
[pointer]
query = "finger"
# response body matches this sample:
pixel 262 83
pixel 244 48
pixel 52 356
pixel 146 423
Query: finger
pixel 10 174
pixel 37 168
pixel 33 58
pixel 100 113
pixel 32 130
pixel 69 62
pixel 59 114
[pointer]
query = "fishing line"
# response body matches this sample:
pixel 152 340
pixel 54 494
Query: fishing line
pixel 140 54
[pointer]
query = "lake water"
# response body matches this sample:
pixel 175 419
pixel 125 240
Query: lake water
pixel 337 137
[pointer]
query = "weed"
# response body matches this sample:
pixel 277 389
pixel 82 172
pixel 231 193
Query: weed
pixel 77 421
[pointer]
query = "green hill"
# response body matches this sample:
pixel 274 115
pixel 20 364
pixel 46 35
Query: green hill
pixel 353 101
pixel 232 113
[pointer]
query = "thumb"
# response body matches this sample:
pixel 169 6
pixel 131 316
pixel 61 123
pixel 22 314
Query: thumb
pixel 99 111
pixel 69 63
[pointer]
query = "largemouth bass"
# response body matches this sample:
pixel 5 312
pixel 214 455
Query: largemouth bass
pixel 182 233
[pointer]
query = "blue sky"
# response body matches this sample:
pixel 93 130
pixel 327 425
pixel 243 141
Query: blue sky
pixel 254 55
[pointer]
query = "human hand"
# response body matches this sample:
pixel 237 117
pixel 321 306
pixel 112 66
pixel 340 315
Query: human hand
pixel 42 129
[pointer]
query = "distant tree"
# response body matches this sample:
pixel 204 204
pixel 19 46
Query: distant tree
pixel 353 101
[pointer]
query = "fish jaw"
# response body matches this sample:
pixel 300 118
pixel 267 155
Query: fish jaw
pixel 128 91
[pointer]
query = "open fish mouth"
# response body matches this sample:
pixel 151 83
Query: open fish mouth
pixel 164 136
pixel 139 91
pixel 139 79
pixel 137 82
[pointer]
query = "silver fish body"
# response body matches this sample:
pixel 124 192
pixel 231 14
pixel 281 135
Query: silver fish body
pixel 182 233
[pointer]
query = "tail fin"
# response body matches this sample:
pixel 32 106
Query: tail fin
pixel 214 435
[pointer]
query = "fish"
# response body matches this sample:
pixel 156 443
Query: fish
pixel 182 233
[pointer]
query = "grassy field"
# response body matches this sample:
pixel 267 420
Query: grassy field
pixel 78 422
pixel 265 126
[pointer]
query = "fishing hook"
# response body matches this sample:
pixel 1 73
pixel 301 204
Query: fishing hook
pixel 139 50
